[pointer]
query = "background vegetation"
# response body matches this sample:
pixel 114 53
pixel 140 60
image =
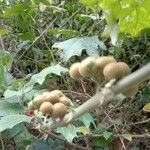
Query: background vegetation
pixel 39 40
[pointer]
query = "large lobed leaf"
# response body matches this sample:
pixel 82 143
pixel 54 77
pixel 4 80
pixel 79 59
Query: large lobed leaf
pixel 9 121
pixel 75 46
pixel 68 132
pixel 9 109
pixel 132 16
pixel 40 77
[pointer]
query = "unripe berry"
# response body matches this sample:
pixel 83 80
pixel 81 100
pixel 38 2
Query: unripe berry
pixel 46 108
pixel 88 67
pixel 30 106
pixel 125 68
pixel 74 71
pixel 112 71
pixel 116 70
pixel 132 91
pixel 64 100
pixel 103 61
pixel 57 92
pixel 59 110
pixel 51 97
pixel 37 101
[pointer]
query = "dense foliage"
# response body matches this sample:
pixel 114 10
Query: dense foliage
pixel 40 40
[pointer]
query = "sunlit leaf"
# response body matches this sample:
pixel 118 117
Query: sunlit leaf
pixel 147 107
pixel 16 10
pixel 132 16
pixel 128 136
pixel 3 31
pixel 67 32
pixel 83 130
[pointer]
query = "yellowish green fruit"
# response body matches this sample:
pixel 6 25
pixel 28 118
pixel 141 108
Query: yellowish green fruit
pixel 46 108
pixel 74 71
pixel 132 91
pixel 59 110
pixel 88 67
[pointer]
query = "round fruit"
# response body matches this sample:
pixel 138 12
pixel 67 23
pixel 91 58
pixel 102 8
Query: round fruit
pixel 103 61
pixel 64 100
pixel 59 110
pixel 74 71
pixel 132 91
pixel 30 106
pixel 51 97
pixel 88 67
pixel 46 108
pixel 112 71
pixel 57 92
pixel 125 68
pixel 38 100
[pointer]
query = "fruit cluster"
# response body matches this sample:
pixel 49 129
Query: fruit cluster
pixel 53 103
pixel 105 67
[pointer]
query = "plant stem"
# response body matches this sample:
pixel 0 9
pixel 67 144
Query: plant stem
pixel 104 96
pixel 3 148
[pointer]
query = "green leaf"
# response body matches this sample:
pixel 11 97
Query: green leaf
pixel 9 109
pixel 87 119
pixel 68 132
pixel 75 46
pixel 5 65
pixel 107 135
pixel 3 31
pixel 100 141
pixel 40 145
pixel 117 121
pixel 83 130
pixel 23 138
pixel 10 133
pixel 40 77
pixel 27 36
pixel 16 10
pixel 132 15
pixel 91 4
pixel 7 122
pixel 147 107
pixel 112 30
pixel 13 96
pixel 67 32
pixel 6 59
pixel 127 136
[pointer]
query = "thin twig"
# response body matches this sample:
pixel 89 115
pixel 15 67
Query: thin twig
pixel 36 39
pixel 2 43
pixel 2 143
pixel 141 122
pixel 103 97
